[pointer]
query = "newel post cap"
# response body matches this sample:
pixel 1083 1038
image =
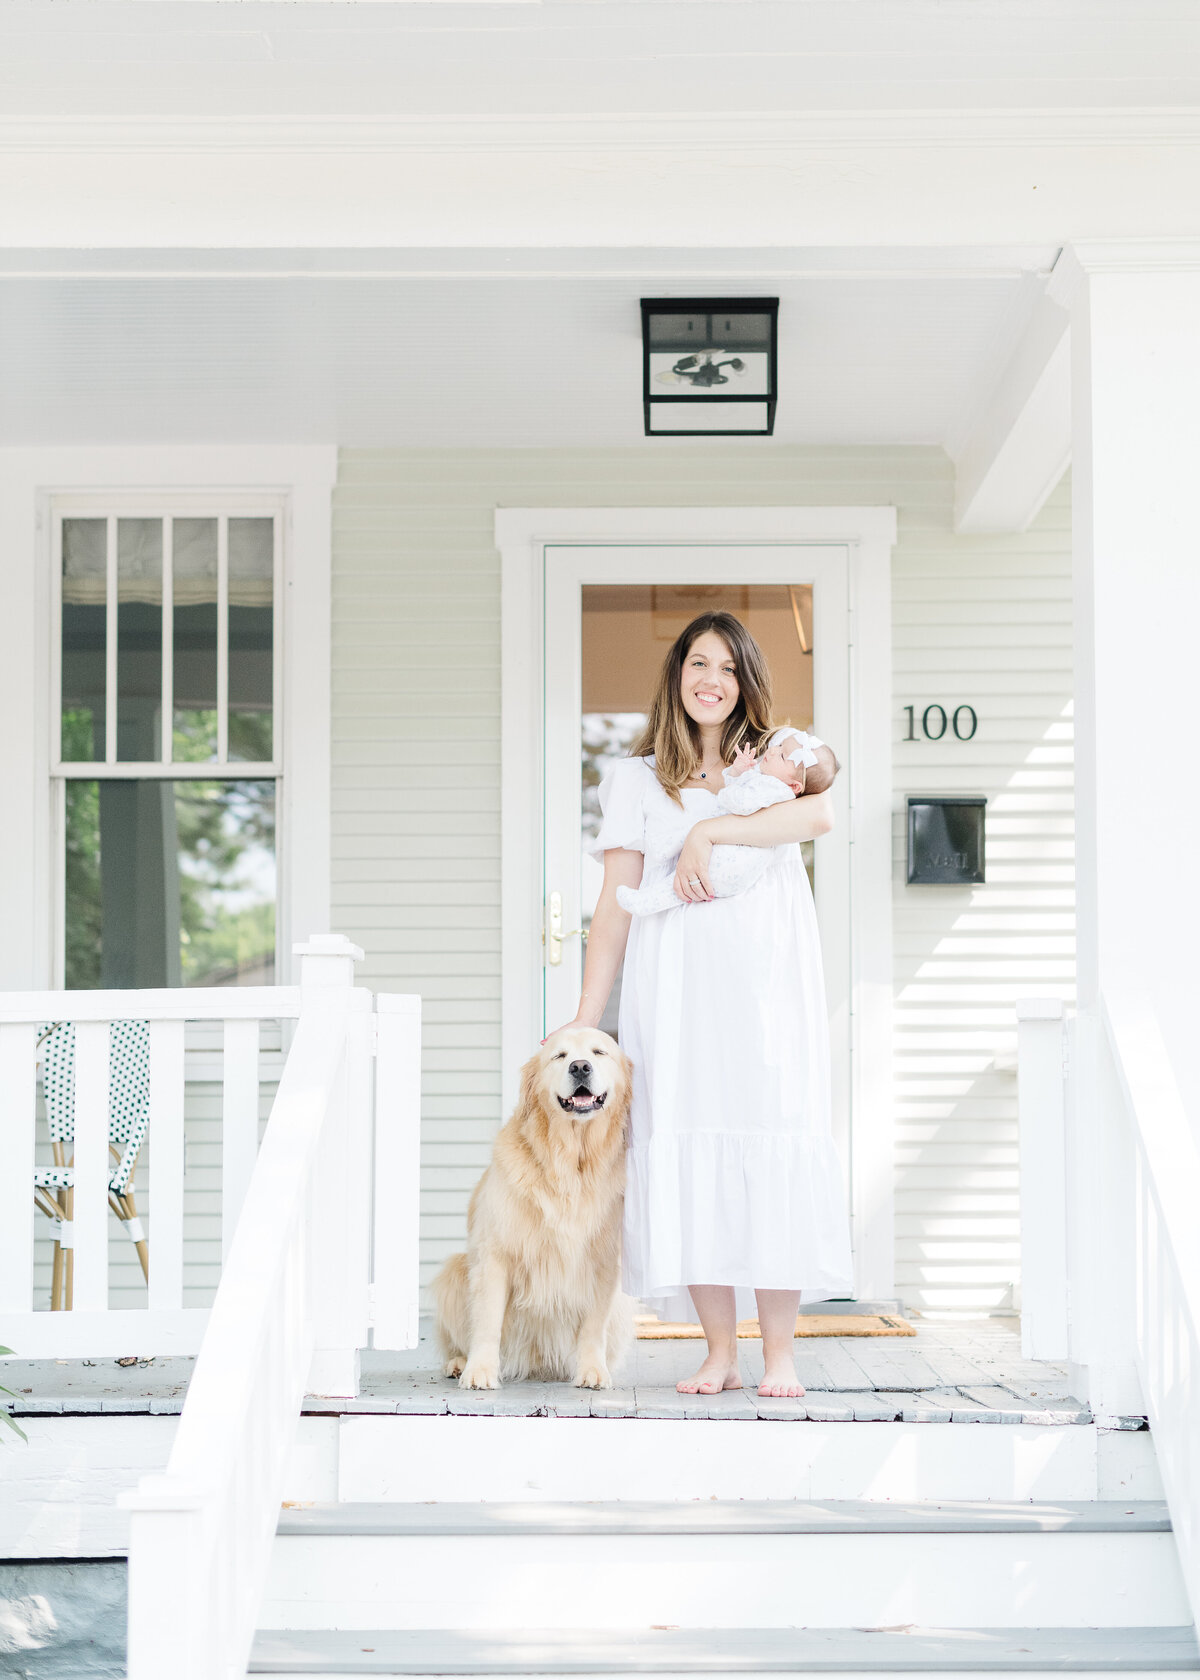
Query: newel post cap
pixel 1041 1009
pixel 327 959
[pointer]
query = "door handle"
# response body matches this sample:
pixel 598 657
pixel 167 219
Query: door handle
pixel 552 933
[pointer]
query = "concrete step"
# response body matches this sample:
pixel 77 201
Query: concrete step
pixel 948 1653
pixel 830 1564
pixel 734 1516
pixel 415 1459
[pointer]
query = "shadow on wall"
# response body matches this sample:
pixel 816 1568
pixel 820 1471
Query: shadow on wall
pixel 963 958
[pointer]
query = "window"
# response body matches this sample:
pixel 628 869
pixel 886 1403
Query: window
pixel 167 723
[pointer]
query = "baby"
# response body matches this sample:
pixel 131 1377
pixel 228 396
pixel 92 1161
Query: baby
pixel 750 786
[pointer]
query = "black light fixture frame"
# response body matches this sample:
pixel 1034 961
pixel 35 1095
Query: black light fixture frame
pixel 711 307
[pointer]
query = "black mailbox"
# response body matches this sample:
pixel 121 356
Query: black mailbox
pixel 945 842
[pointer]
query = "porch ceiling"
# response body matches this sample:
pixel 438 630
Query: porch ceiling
pixel 484 348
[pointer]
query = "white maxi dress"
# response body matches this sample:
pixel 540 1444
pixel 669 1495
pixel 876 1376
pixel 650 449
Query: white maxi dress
pixel 733 1175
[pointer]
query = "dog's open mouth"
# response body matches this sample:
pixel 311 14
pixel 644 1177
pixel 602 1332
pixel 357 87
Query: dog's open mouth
pixel 583 1102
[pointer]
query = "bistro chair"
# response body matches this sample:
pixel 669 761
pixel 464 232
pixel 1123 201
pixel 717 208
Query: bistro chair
pixel 128 1120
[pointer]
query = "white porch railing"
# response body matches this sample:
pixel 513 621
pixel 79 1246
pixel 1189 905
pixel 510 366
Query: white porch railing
pixel 1134 1075
pixel 1166 1190
pixel 1041 1105
pixel 91 1328
pixel 291 1311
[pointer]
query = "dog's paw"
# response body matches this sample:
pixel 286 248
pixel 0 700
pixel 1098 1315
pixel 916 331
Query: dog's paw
pixel 593 1376
pixel 453 1366
pixel 479 1373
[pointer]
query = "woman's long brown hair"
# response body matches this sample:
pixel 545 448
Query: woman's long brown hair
pixel 673 737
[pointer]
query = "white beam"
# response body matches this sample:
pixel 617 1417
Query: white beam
pixel 901 178
pixel 1017 445
pixel 1135 331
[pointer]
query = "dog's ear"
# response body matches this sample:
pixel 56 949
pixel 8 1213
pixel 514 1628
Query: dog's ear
pixel 530 1075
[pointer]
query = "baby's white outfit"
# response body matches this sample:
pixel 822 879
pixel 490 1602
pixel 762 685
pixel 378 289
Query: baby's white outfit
pixel 732 868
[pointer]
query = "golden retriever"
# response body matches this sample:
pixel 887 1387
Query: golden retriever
pixel 537 1292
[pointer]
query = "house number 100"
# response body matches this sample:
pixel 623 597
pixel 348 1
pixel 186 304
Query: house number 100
pixel 934 723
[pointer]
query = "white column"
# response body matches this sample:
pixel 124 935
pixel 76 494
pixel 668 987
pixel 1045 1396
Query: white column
pixel 1135 327
pixel 339 1251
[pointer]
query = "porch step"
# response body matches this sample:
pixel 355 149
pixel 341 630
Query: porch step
pixel 726 1564
pixel 416 1459
pixel 946 1652
pixel 735 1516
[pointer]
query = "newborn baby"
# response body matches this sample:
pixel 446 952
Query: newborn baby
pixel 750 786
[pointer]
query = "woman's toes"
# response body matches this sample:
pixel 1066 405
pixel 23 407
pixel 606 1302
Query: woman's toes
pixel 780 1388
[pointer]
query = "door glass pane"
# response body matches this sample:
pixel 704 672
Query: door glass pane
pixel 170 883
pixel 251 621
pixel 195 639
pixel 139 639
pixel 84 582
pixel 627 632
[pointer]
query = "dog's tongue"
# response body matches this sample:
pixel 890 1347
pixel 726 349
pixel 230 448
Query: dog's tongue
pixel 582 1099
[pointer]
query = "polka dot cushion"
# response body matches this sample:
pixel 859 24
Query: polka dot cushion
pixel 128 1095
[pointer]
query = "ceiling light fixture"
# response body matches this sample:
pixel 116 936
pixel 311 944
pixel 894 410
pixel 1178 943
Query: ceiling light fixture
pixel 709 366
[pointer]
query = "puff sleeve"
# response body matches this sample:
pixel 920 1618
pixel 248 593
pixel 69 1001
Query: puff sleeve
pixel 621 802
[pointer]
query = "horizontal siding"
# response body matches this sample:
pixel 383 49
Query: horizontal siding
pixel 416 848
pixel 984 621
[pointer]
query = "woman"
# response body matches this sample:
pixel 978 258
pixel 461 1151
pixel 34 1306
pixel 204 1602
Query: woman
pixel 734 1183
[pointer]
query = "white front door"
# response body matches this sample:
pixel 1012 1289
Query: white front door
pixel 610 616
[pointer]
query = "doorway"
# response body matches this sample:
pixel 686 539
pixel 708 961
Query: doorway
pixel 588 615
pixel 611 614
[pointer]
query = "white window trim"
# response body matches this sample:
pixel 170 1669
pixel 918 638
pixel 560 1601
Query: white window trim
pixel 299 480
pixel 114 505
pixel 522 534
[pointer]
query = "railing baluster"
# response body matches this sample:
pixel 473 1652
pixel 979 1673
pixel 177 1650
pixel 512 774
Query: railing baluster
pixel 166 1165
pixel 18 1098
pixel 397 1171
pixel 239 1123
pixel 91 1166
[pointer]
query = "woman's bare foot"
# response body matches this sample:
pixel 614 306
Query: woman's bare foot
pixel 718 1372
pixel 780 1381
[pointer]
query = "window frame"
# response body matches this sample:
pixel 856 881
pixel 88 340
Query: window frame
pixel 112 506
pixel 194 505
pixel 305 476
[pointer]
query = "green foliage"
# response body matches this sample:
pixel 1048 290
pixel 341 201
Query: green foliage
pixel 250 737
pixel 194 737
pixel 83 929
pixel 225 835
pixel 219 824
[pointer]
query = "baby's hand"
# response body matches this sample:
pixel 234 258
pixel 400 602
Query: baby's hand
pixel 743 760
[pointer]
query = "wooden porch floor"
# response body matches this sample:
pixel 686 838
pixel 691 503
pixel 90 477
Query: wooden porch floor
pixel 967 1371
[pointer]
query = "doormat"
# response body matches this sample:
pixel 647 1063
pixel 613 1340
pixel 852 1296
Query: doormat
pixel 808 1324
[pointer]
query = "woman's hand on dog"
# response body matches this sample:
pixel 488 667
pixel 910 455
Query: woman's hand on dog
pixel 693 867
pixel 580 1021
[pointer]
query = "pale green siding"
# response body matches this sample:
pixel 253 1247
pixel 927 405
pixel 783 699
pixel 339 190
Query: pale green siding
pixel 416 772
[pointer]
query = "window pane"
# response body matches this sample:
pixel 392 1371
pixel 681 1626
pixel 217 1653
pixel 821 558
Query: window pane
pixel 170 883
pixel 83 631
pixel 626 633
pixel 251 601
pixel 139 639
pixel 195 639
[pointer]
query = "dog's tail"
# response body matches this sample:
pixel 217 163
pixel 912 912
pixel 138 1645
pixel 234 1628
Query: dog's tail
pixel 452 1307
